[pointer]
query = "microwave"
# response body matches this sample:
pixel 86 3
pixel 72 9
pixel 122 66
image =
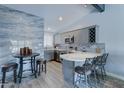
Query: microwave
pixel 69 40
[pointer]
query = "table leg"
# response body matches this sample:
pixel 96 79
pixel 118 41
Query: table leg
pixel 32 65
pixel 20 70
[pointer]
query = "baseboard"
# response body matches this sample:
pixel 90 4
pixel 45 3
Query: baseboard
pixel 115 75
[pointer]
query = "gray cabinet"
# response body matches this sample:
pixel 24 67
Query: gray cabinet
pixel 57 38
pixel 49 55
pixel 56 56
pixel 81 36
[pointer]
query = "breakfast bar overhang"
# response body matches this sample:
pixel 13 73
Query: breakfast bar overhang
pixel 70 61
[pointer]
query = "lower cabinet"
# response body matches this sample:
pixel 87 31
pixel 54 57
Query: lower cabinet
pixel 57 55
pixel 53 55
pixel 49 55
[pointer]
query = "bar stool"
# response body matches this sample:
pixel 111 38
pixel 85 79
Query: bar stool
pixel 7 68
pixel 84 72
pixel 101 62
pixel 39 63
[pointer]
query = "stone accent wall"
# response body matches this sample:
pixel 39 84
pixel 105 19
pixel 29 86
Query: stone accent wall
pixel 19 29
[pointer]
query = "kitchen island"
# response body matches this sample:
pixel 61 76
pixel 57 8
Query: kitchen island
pixel 69 61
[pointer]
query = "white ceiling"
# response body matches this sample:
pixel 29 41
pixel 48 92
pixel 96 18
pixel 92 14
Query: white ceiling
pixel 71 13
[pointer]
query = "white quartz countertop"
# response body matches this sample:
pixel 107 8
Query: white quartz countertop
pixel 79 56
pixel 47 49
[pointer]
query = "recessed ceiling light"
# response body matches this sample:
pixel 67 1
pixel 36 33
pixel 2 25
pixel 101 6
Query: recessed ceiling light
pixel 48 28
pixel 60 18
pixel 85 5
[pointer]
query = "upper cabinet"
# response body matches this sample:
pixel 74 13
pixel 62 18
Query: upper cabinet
pixel 79 36
pixel 57 38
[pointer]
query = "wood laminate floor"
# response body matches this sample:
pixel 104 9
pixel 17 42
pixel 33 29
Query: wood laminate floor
pixel 54 79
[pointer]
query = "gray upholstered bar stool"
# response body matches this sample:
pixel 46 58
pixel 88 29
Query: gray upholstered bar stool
pixel 7 68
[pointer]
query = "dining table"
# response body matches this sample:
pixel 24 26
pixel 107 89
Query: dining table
pixel 71 60
pixel 22 58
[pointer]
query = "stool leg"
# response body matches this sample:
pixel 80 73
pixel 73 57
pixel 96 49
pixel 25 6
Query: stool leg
pixel 36 68
pixel 15 75
pixel 75 82
pixel 42 67
pixel 95 77
pixel 102 73
pixel 45 67
pixel 3 79
pixel 39 69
